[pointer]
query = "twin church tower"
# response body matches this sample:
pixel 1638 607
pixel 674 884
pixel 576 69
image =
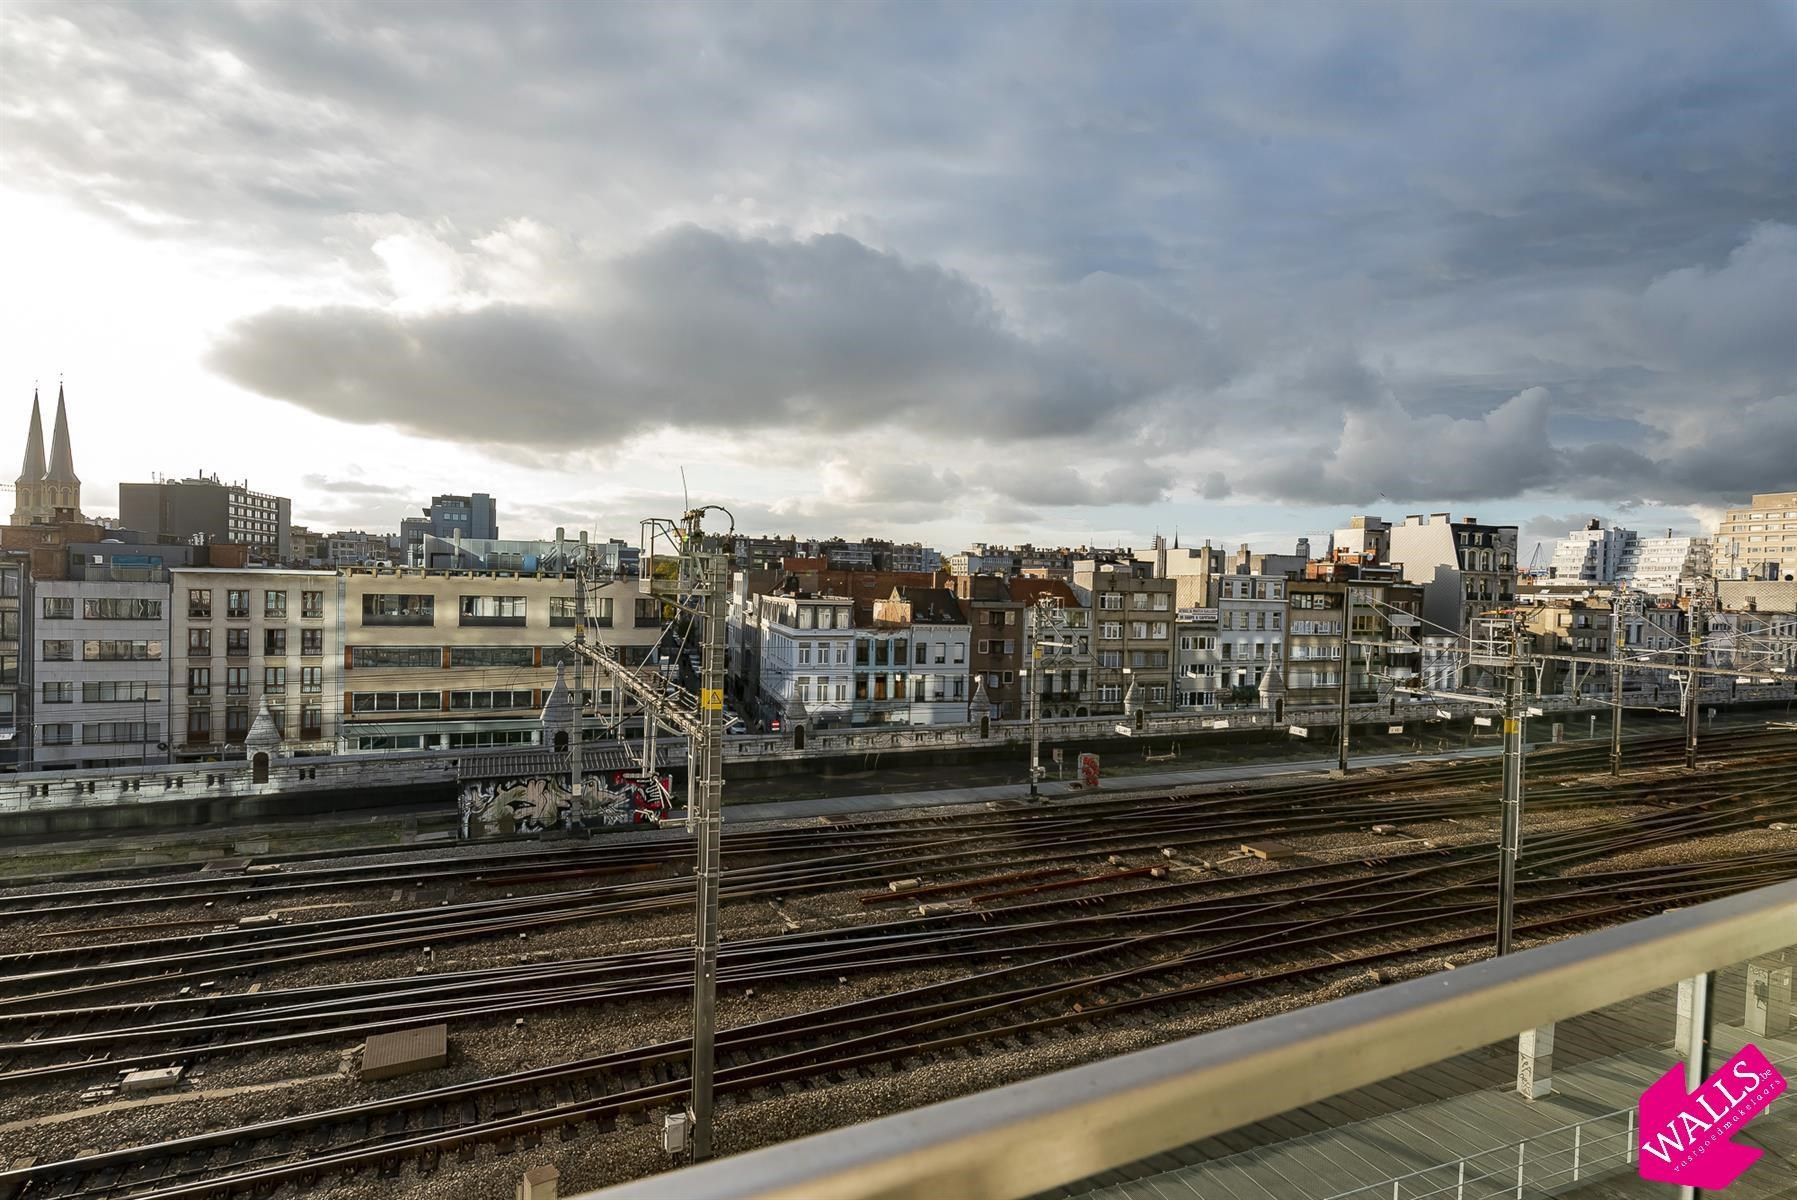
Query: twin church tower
pixel 47 495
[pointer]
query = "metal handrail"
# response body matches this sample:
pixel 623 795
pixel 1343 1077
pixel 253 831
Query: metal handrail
pixel 1042 1133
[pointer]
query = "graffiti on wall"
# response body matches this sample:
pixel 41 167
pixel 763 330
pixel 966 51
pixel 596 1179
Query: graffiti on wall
pixel 537 803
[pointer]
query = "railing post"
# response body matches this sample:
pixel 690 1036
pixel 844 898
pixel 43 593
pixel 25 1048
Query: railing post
pixel 1460 1184
pixel 1628 1145
pixel 1577 1143
pixel 1521 1153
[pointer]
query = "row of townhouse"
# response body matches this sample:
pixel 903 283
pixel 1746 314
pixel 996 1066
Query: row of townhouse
pixel 905 652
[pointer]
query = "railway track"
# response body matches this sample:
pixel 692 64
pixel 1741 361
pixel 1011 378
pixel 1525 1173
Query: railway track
pixel 1027 971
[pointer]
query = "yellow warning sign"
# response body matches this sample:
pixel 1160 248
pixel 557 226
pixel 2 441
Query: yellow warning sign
pixel 711 699
pixel 1510 724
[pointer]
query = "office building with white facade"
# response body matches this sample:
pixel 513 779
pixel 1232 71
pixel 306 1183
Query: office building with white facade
pixel 100 671
pixel 246 640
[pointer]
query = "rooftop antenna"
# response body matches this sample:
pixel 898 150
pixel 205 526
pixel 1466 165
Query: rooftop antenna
pixel 686 501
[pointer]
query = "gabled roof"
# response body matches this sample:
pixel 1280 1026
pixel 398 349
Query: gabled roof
pixel 932 605
pixel 1028 591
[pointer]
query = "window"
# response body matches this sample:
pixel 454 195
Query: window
pixel 58 650
pixel 274 605
pixel 237 603
pixel 59 693
pixel 120 608
pixel 274 681
pixel 492 610
pixel 9 580
pixel 311 604
pixel 1138 600
pixel 941 652
pixel 62 734
pixel 981 646
pixel 960 655
pixel 1109 693
pixel 396 656
pixel 120 691
pixel 111 732
pixel 59 608
pixel 1111 600
pixel 109 650
pixel 312 721
pixel 923 654
pixel 1161 602
pixel 502 698
pixel 492 656
pixel 199 725
pixel 1138 630
pixel 237 681
pixel 9 624
pixel 1157 629
pixel 1110 658
pixel 396 701
pixel 237 723
pixel 1111 631
pixel 804 654
pixel 274 642
pixel 396 609
pixel 312 679
pixel 561 610
pixel 237 643
pixel 199 681
pixel 199 643
pixel 311 642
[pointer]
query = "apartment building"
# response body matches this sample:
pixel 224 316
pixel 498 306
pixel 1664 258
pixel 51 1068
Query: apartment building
pixel 805 642
pixel 99 671
pixel 934 677
pixel 1314 644
pixel 1593 554
pixel 204 509
pixel 15 711
pixel 1199 663
pixel 1667 566
pixel 1465 567
pixel 248 640
pixel 1251 614
pixel 458 659
pixel 1759 541
pixel 1064 672
pixel 1133 616
pixel 998 641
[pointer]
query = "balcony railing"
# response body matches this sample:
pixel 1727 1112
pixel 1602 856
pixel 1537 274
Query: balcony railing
pixel 1061 1129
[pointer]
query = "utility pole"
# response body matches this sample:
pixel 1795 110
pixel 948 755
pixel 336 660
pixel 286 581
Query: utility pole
pixel 1699 618
pixel 710 572
pixel 1616 602
pixel 1341 756
pixel 576 734
pixel 1047 612
pixel 1510 845
pixel 698 584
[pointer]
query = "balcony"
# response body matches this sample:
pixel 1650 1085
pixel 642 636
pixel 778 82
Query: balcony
pixel 1442 1086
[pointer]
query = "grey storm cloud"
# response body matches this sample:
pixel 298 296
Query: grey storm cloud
pixel 1431 252
pixel 699 328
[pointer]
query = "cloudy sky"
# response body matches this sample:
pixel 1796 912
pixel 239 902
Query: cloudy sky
pixel 1063 272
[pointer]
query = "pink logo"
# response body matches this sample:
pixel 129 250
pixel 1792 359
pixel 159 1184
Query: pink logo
pixel 1687 1137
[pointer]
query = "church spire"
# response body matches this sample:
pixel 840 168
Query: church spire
pixel 31 470
pixel 62 459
